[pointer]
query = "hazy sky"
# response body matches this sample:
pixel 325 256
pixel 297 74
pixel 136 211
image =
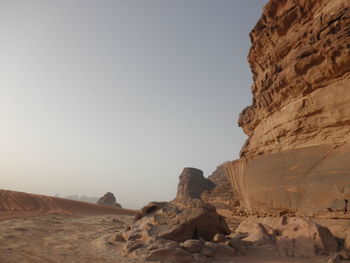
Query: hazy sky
pixel 120 95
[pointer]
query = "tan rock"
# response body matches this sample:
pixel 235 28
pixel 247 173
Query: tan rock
pixel 261 234
pixel 193 245
pixel 130 246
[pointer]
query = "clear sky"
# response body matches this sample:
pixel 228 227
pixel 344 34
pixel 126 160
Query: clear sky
pixel 120 95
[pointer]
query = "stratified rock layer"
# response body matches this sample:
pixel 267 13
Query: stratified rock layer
pixel 296 157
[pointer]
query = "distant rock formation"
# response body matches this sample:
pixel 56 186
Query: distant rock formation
pixel 221 196
pixel 192 184
pixel 296 159
pixel 108 200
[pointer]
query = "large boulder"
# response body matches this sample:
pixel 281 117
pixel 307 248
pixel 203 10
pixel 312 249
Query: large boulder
pixel 108 200
pixel 192 184
pixel 178 221
pixel 297 237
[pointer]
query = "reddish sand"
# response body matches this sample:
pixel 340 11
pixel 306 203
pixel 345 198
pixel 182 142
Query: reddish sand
pixel 17 204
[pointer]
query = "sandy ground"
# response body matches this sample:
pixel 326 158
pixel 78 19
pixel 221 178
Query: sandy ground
pixel 75 239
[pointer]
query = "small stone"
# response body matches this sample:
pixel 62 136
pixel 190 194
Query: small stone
pixel 131 246
pixel 154 246
pixel 193 245
pixel 219 238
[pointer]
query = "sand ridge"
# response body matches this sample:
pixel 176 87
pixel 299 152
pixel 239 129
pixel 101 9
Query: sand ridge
pixel 18 204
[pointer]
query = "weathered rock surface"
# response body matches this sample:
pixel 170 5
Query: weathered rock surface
pixel 299 122
pixel 192 184
pixel 296 237
pixel 108 200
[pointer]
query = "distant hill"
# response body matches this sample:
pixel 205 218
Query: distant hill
pixel 17 204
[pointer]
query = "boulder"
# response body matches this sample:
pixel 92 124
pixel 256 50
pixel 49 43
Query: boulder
pixel 188 219
pixel 297 237
pixel 261 234
pixel 307 231
pixel 108 200
pixel 192 184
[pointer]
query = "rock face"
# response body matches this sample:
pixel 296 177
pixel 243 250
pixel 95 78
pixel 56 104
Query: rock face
pixel 108 200
pixel 299 122
pixel 192 184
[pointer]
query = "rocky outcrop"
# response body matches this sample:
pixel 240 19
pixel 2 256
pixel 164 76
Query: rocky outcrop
pixel 192 184
pixel 295 160
pixel 176 232
pixel 221 196
pixel 108 200
pixel 296 237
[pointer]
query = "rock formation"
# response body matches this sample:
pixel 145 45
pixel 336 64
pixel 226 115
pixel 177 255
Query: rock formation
pixel 175 232
pixel 295 160
pixel 108 200
pixel 221 196
pixel 192 184
pixel 296 237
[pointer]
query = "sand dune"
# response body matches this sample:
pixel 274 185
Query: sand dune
pixel 17 204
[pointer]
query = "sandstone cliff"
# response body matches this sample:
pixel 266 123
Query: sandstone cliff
pixel 296 157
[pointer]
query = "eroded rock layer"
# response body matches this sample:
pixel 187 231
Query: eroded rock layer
pixel 296 157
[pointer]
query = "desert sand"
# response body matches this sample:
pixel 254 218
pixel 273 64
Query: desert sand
pixel 42 229
pixel 85 238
